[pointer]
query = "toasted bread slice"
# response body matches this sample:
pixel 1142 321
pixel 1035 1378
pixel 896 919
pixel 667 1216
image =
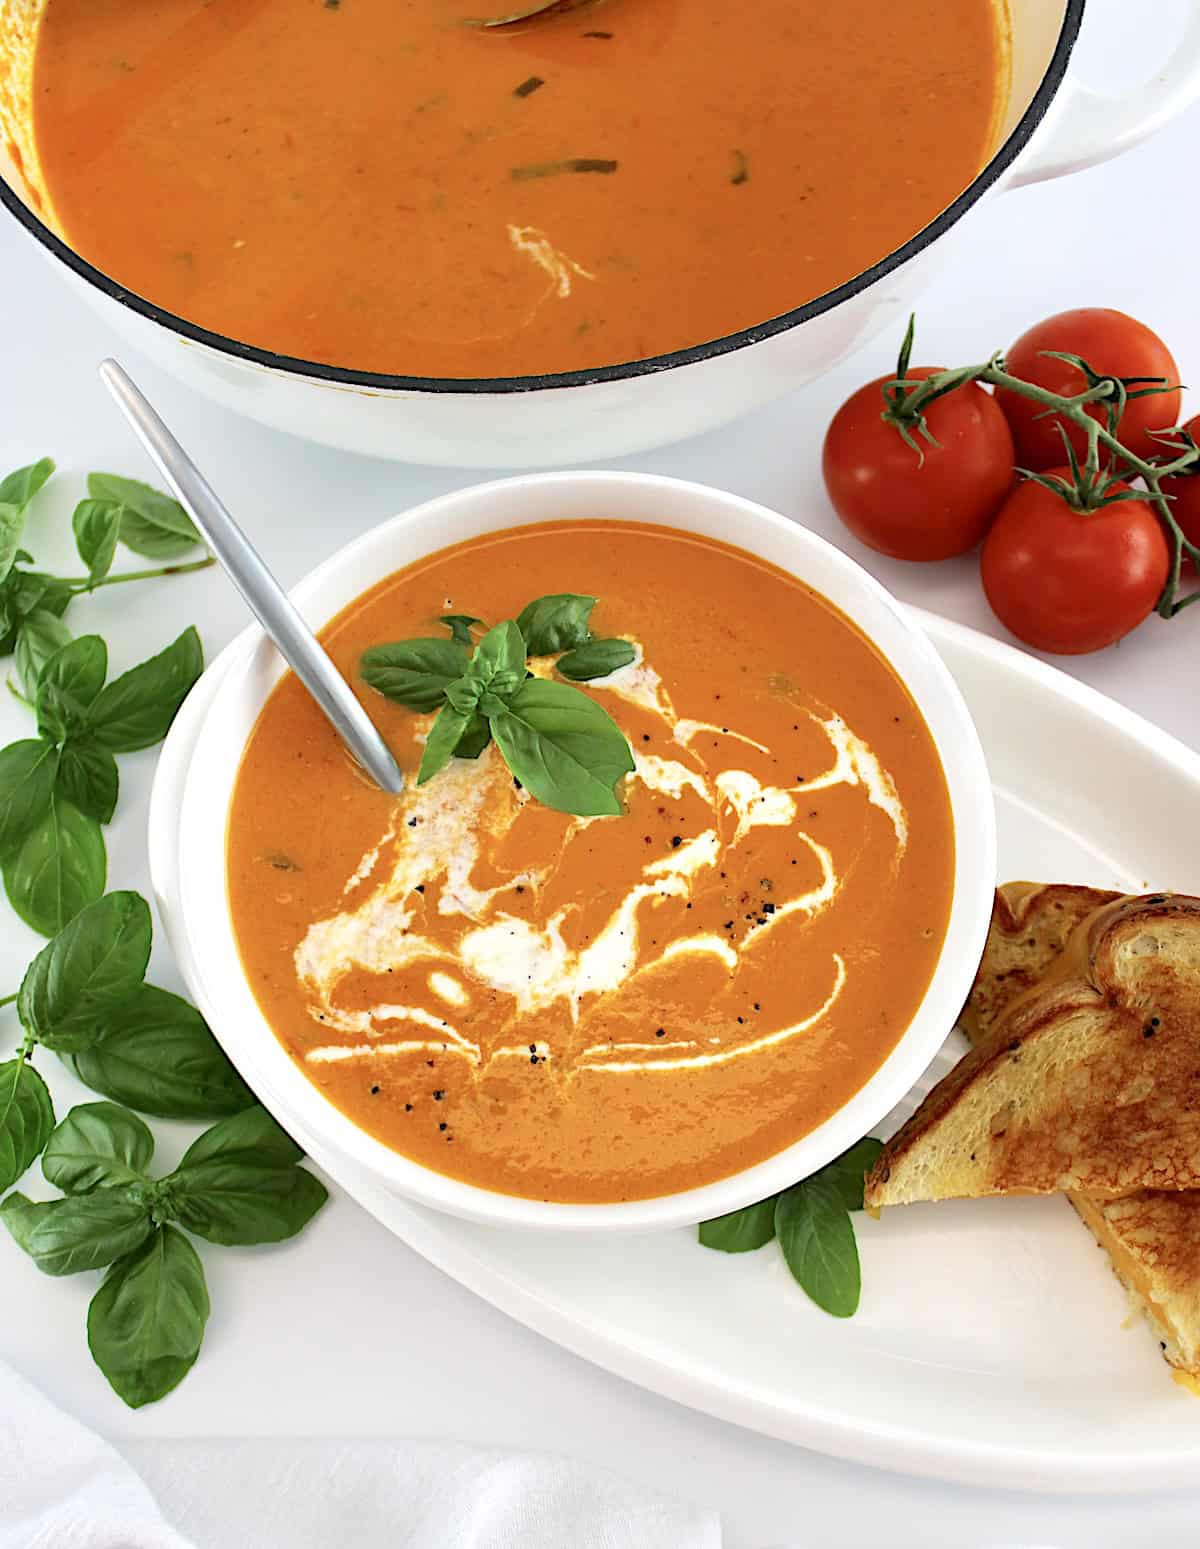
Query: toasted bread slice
pixel 1088 1083
pixel 1153 1237
pixel 1031 925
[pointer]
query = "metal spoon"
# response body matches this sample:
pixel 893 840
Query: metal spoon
pixel 268 601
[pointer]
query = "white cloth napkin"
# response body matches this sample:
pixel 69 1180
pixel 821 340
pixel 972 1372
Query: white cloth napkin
pixel 64 1487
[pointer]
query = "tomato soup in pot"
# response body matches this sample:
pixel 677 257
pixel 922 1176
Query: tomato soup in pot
pixel 391 186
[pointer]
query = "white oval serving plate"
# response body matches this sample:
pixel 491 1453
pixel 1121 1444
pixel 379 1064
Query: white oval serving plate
pixel 993 1344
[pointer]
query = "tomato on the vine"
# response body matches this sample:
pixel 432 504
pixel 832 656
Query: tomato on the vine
pixel 926 504
pixel 1113 345
pixel 1072 581
pixel 1184 490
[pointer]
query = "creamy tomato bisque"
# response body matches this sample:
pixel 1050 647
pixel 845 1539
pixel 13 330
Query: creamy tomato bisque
pixel 380 184
pixel 600 1009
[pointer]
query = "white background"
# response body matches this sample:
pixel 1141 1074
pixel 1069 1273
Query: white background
pixel 347 1331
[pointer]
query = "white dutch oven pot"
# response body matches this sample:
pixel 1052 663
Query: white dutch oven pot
pixel 1053 126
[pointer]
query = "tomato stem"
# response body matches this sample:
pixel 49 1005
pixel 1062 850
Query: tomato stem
pixel 907 398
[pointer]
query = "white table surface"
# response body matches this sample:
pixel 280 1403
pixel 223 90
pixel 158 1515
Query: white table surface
pixel 347 1332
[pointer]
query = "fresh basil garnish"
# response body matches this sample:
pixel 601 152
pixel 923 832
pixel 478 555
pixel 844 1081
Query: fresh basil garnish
pixel 474 739
pixel 42 634
pixel 68 685
pixel 146 1322
pixel 741 1231
pixel 98 1145
pixel 559 744
pixel 26 1118
pixel 28 771
pixel 595 659
pixel 496 669
pixel 813 1225
pixel 816 1235
pixel 16 492
pixel 136 710
pixel 251 1136
pixel 848 1172
pixel 59 868
pixel 81 1232
pixel 88 777
pixel 19 487
pixel 564 748
pixel 414 673
pixel 555 623
pixel 445 734
pixel 459 625
pixel 151 523
pixel 97 527
pixel 237 1184
pixel 154 1052
pixel 92 966
pixel 237 1203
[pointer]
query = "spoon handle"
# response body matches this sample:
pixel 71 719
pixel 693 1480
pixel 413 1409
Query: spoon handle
pixel 267 600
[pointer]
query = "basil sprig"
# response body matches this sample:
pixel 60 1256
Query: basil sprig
pixel 56 790
pixel 238 1184
pixel 120 511
pixel 561 746
pixel 812 1221
pixel 84 998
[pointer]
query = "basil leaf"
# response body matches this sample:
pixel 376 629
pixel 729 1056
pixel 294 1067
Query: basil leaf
pixel 741 1231
pixel 555 623
pixel 68 684
pixel 414 673
pixel 136 710
pixel 20 1215
pixel 12 524
pixel 146 1322
pixel 848 1172
pixel 91 967
pixel 26 1119
pixel 151 522
pixel 498 665
pixel 251 1136
pixel 232 1202
pixel 49 593
pixel 97 526
pixel 87 1231
pixel 459 625
pixel 463 695
pixel 19 487
pixel 97 1145
pixel 444 736
pixel 42 635
pixel 154 1052
pixel 566 751
pixel 27 773
pixel 88 777
pixel 817 1237
pixel 58 869
pixel 476 737
pixel 595 659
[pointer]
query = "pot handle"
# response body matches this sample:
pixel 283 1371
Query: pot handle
pixel 1089 127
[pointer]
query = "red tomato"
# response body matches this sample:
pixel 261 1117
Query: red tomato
pixel 912 507
pixel 1071 581
pixel 1111 343
pixel 1185 507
